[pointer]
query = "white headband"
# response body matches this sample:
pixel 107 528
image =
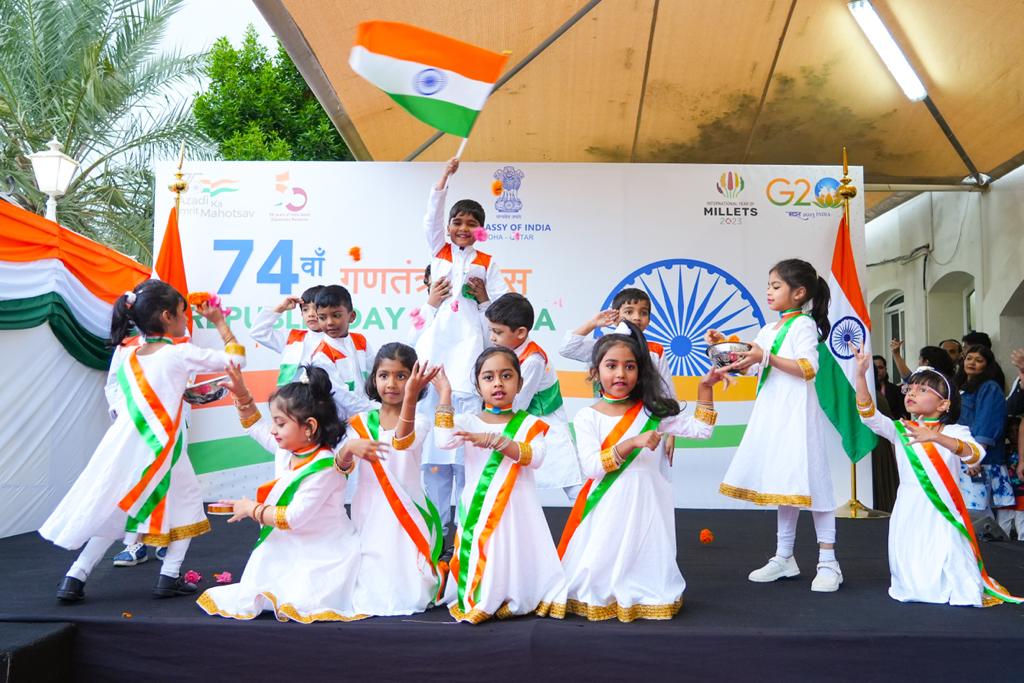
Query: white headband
pixel 928 368
pixel 130 298
pixel 622 328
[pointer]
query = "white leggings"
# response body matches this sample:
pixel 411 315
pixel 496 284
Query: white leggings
pixel 824 528
pixel 96 549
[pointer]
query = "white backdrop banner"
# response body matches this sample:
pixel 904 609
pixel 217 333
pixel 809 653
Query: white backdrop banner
pixel 699 239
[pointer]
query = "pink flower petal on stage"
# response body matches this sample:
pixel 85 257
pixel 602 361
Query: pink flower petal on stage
pixel 223 577
pixel 192 576
pixel 480 234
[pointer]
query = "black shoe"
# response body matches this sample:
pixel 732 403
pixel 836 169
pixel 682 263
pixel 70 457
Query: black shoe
pixel 166 587
pixel 70 589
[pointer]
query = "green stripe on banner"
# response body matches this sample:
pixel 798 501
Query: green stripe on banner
pixel 79 342
pixel 838 400
pixel 724 436
pixel 225 454
pixel 451 118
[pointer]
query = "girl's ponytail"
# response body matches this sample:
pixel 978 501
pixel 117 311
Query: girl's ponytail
pixel 121 322
pixel 819 308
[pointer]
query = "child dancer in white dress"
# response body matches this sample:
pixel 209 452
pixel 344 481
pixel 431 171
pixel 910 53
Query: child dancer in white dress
pixel 782 457
pixel 138 480
pixel 505 563
pixel 399 528
pixel 619 545
pixel 933 554
pixel 306 561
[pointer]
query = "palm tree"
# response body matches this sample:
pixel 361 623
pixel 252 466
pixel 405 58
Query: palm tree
pixel 89 73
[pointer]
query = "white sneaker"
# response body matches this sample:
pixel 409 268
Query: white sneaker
pixel 777 568
pixel 828 578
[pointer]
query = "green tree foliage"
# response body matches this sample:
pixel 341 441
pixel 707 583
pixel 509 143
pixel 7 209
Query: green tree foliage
pixel 89 72
pixel 259 107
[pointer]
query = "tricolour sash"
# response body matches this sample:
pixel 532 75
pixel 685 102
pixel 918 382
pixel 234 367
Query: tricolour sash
pixel 291 357
pixel 281 491
pixel 629 425
pixel 942 489
pixel 488 503
pixel 146 501
pixel 416 514
pixel 548 399
pixel 780 336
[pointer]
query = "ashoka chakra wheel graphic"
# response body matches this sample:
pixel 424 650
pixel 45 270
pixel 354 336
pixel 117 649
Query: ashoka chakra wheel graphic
pixel 846 330
pixel 688 298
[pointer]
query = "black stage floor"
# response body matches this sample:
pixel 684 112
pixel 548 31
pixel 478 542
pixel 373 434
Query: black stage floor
pixel 729 628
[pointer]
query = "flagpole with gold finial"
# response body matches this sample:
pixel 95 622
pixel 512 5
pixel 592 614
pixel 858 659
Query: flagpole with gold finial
pixel 853 508
pixel 179 185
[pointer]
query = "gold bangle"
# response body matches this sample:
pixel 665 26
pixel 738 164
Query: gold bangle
pixel 234 348
pixel 347 470
pixel 280 520
pixel 708 416
pixel 251 420
pixel 444 419
pixel 609 461
pixel 405 419
pixel 806 368
pixel 525 454
pixel 405 442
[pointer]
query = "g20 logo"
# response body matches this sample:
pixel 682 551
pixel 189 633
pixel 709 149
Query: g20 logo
pixel 800 192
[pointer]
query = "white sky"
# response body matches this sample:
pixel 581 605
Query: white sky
pixel 200 22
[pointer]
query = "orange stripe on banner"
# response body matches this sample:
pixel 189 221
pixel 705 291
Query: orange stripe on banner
pixel 26 237
pixel 576 515
pixel 402 41
pixel 497 509
pixel 953 488
pixel 845 270
pixel 151 398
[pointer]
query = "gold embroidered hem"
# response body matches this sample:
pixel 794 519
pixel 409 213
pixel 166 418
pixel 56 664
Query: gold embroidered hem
pixel 806 368
pixel 281 612
pixel 989 601
pixel 554 610
pixel 624 614
pixel 764 498
pixel 280 518
pixel 608 460
pixel 177 534
pixel 405 442
pixel 708 416
pixel 444 420
pixel 525 454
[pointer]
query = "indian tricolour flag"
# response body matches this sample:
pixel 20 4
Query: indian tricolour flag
pixel 837 367
pixel 441 81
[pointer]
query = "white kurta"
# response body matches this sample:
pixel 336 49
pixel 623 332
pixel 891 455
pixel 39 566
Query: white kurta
pixel 522 574
pixel 782 457
pixel 394 576
pixel 456 337
pixel 929 560
pixel 306 572
pixel 264 331
pixel 91 509
pixel 621 562
pixel 561 465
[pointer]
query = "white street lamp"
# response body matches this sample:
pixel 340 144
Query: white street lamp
pixel 53 170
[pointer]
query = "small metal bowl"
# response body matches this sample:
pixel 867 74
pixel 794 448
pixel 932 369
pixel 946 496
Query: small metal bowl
pixel 209 391
pixel 724 353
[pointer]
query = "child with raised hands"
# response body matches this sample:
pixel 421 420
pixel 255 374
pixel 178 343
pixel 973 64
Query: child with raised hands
pixel 139 479
pixel 399 528
pixel 619 545
pixel 505 562
pixel 933 553
pixel 306 561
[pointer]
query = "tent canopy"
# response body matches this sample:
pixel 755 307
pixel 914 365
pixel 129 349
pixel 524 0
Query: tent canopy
pixel 745 81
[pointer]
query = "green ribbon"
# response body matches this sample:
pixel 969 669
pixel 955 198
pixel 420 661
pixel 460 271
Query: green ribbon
pixel 546 401
pixel 479 494
pixel 610 478
pixel 780 336
pixel 286 496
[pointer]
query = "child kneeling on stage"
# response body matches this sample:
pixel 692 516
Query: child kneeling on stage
pixel 306 560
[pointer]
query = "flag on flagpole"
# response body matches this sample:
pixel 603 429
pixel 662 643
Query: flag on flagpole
pixel 170 263
pixel 441 81
pixel 837 367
